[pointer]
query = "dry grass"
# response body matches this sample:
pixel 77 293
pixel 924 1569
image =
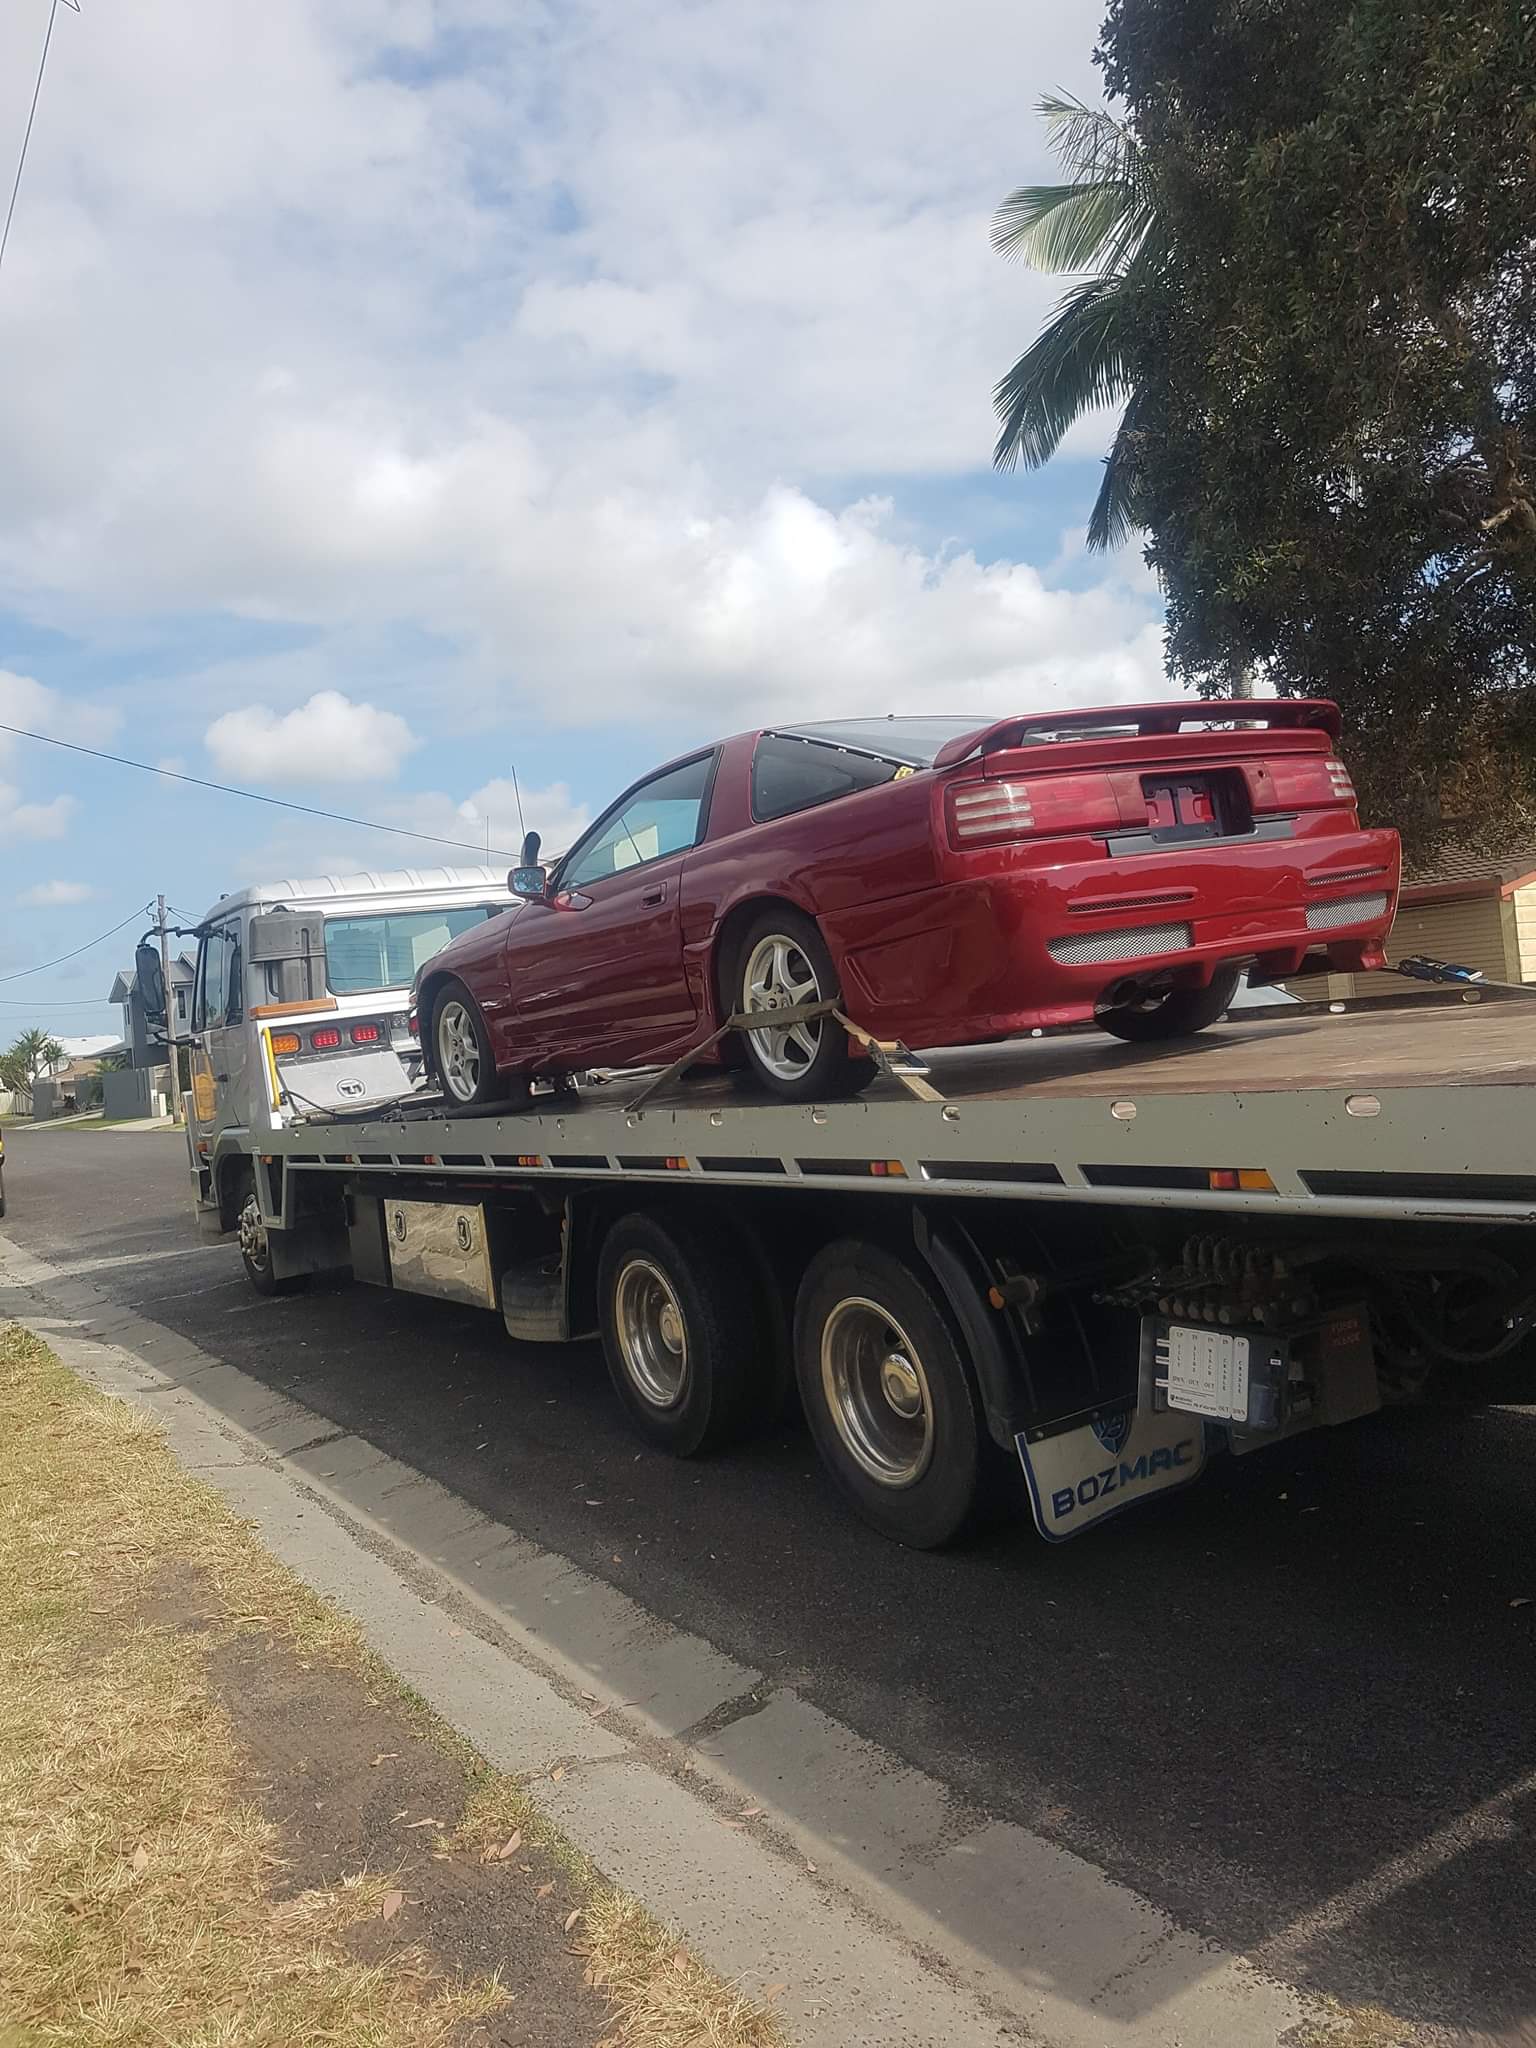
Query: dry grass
pixel 135 1902
pixel 662 1998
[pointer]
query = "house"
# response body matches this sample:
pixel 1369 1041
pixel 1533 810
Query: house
pixel 146 1048
pixel 1462 907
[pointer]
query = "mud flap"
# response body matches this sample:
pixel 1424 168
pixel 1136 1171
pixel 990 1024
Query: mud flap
pixel 1082 1472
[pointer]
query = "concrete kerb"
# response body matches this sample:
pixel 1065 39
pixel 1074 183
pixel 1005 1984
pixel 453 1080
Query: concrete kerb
pixel 786 1848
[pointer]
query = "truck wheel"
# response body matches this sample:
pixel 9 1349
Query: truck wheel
pixel 781 963
pixel 679 1334
pixel 256 1252
pixel 887 1394
pixel 1177 1013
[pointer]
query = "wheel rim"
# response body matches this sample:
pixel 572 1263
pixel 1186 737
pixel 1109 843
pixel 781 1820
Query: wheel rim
pixel 779 975
pixel 253 1235
pixel 876 1391
pixel 458 1052
pixel 653 1338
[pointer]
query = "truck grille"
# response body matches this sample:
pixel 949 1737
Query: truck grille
pixel 1327 917
pixel 1124 942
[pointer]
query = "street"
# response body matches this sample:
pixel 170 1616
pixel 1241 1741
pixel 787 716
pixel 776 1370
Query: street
pixel 1292 1707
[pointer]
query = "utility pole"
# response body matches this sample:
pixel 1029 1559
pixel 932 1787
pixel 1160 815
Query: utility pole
pixel 170 1014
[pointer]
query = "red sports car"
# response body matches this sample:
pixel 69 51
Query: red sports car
pixel 947 881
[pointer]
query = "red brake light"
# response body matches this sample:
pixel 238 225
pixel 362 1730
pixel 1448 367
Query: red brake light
pixel 366 1034
pixel 1304 782
pixel 981 812
pixel 325 1040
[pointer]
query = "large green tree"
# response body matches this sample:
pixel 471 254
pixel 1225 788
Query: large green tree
pixel 1336 373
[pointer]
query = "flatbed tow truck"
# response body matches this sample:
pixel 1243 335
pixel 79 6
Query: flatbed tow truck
pixel 1090 1265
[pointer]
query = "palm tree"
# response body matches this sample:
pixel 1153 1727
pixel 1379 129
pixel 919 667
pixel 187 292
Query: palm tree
pixel 1104 219
pixel 32 1054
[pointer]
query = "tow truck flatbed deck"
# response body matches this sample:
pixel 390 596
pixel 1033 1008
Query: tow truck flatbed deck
pixel 1417 1113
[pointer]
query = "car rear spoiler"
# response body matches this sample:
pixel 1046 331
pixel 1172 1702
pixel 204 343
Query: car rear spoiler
pixel 1149 720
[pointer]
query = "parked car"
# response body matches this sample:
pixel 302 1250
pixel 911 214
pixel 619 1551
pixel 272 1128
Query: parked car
pixel 946 882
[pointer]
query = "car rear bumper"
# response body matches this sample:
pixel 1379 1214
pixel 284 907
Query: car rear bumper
pixel 990 956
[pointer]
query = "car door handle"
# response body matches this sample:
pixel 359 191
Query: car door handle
pixel 656 895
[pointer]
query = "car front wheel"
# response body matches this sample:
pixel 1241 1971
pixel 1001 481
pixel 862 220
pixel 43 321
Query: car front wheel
pixel 461 1050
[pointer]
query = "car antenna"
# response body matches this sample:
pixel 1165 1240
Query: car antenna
pixel 519 795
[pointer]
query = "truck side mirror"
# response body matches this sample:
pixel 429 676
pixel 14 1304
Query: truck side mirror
pixel 149 979
pixel 529 857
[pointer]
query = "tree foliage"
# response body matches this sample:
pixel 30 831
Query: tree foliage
pixel 1103 219
pixel 32 1054
pixel 1335 368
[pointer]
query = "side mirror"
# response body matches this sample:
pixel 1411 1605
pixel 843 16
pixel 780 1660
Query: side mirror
pixel 149 976
pixel 528 883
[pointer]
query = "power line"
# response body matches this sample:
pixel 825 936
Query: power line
pixel 254 796
pixel 85 1003
pixel 43 966
pixel 42 65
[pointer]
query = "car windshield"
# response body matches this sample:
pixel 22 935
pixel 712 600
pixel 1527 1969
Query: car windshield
pixel 912 741
pixel 363 954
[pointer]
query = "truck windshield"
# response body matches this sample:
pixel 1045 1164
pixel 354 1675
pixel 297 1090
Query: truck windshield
pixel 363 954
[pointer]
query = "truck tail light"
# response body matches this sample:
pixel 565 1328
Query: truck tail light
pixel 994 809
pixel 325 1040
pixel 366 1034
pixel 284 1042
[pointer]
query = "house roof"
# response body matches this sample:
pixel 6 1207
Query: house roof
pixel 1455 871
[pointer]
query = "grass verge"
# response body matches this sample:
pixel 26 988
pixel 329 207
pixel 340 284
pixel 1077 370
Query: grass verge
pixel 137 1873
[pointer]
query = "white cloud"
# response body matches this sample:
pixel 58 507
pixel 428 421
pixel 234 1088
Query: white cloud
pixel 20 820
pixel 56 895
pixel 328 739
pixel 558 353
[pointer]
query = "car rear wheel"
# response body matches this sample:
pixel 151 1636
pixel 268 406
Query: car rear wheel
pixel 461 1050
pixel 783 964
pixel 1172 1013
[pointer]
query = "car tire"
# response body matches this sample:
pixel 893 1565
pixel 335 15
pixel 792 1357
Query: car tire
pixel 256 1251
pixel 463 1064
pixel 680 1337
pixel 782 958
pixel 1180 1013
pixel 890 1400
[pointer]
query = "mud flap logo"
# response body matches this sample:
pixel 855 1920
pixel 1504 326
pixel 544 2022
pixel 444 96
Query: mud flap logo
pixel 1080 1476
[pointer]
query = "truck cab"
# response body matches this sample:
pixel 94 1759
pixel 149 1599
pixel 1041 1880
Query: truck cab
pixel 300 1005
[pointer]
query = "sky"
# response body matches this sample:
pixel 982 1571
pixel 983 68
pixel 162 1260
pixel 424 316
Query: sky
pixel 395 394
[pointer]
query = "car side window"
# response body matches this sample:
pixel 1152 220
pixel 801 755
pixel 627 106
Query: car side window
pixel 791 775
pixel 662 816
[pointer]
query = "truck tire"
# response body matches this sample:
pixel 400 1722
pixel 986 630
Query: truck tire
pixel 679 1335
pixel 888 1395
pixel 1180 1013
pixel 256 1251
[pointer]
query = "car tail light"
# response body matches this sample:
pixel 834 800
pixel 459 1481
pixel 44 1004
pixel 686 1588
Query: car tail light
pixel 366 1034
pixel 980 812
pixel 285 1041
pixel 1307 782
pixel 326 1040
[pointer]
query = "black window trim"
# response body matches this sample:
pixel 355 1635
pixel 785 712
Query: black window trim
pixel 711 754
pixel 833 796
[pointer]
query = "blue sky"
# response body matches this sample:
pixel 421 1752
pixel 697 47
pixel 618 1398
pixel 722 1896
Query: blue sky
pixel 400 390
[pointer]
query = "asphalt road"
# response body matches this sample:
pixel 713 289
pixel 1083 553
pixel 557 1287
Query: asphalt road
pixel 1295 1706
